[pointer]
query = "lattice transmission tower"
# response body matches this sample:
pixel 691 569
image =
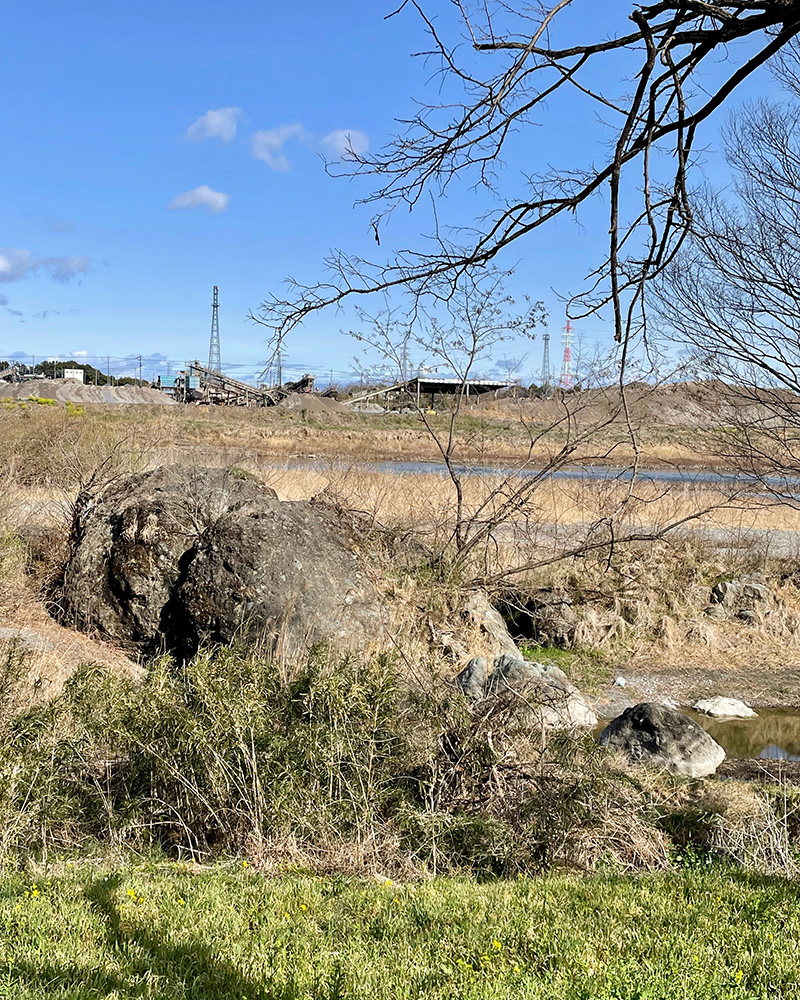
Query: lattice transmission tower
pixel 546 375
pixel 567 373
pixel 214 360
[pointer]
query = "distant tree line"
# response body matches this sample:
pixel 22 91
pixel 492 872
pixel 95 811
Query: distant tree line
pixel 55 369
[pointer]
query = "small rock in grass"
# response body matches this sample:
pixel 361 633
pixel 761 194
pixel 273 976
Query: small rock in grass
pixel 472 678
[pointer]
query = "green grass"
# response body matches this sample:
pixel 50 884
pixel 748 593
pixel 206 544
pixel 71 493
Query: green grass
pixel 563 658
pixel 166 932
pixel 586 667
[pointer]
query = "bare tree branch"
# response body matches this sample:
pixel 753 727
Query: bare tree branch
pixel 732 295
pixel 672 44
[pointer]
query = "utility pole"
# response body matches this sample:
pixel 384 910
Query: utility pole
pixel 140 371
pixel 214 359
pixel 108 370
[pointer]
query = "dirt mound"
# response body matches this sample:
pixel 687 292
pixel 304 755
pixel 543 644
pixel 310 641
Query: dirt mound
pixel 312 402
pixel 39 656
pixel 70 390
pixel 674 404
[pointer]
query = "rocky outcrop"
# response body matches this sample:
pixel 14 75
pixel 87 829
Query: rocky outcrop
pixel 748 588
pixel 724 708
pixel 170 558
pixel 743 598
pixel 481 614
pixel 547 617
pixel 538 694
pixel 473 623
pixel 658 736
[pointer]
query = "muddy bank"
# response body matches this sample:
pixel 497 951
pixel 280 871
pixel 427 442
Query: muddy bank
pixel 767 771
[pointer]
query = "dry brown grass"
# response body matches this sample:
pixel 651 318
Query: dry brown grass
pixel 41 435
pixel 644 610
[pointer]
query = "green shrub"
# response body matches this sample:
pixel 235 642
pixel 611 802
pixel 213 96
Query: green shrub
pixel 339 767
pixel 209 755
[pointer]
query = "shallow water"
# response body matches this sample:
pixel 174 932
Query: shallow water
pixel 773 735
pixel 586 472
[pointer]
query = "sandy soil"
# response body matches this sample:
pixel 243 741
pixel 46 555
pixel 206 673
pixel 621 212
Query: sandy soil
pixel 53 653
pixel 705 404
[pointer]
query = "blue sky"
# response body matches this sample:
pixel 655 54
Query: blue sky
pixel 153 150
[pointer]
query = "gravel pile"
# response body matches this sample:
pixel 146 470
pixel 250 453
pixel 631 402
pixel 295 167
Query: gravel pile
pixel 69 390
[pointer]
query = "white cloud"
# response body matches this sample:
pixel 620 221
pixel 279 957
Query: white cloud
pixel 201 197
pixel 215 124
pixel 342 143
pixel 15 265
pixel 268 144
pixel 64 268
pixel 79 354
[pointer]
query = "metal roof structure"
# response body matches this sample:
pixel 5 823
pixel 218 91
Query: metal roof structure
pixel 435 384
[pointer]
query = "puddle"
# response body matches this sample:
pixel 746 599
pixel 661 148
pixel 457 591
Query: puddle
pixel 773 735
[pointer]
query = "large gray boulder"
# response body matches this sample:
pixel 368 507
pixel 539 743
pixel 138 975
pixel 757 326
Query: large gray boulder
pixel 538 694
pixel 659 736
pixel 170 558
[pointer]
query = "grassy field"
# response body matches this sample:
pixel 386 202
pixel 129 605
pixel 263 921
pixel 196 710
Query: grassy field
pixel 258 435
pixel 173 932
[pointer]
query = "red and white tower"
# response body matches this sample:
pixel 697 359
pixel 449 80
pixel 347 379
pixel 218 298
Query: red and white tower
pixel 567 380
